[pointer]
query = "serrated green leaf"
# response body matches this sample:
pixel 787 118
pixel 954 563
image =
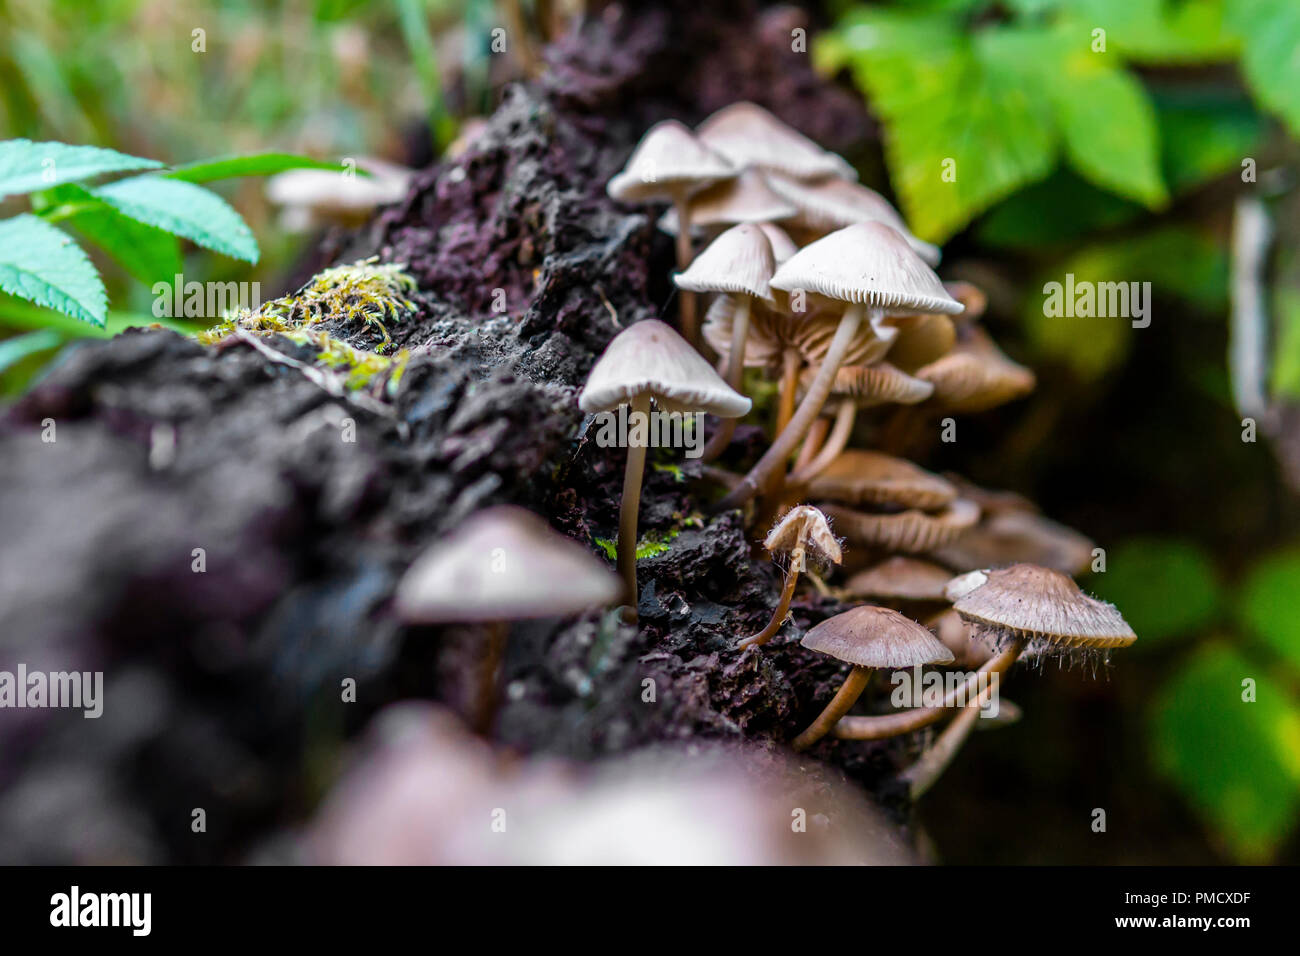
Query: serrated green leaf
pixel 42 265
pixel 1268 603
pixel 1270 56
pixel 148 254
pixel 26 166
pixel 1164 586
pixel 1236 762
pixel 185 210
pixel 261 164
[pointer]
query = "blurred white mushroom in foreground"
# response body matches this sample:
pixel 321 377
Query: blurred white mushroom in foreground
pixel 314 197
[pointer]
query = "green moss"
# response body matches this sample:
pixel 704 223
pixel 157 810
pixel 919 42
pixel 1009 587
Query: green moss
pixel 674 470
pixel 652 544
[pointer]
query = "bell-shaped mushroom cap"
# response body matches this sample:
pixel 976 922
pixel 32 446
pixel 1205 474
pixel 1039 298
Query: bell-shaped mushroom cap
pixel 804 526
pixel 743 198
pixel 783 247
pixel 503 564
pixel 668 160
pixel 858 477
pixel 649 358
pixel 869 263
pixel 922 339
pixel 749 135
pixel 1008 536
pixel 901 578
pixel 975 376
pixel 738 261
pixel 825 205
pixel 877 384
pixel 1038 603
pixel 913 531
pixel 772 331
pixel 876 637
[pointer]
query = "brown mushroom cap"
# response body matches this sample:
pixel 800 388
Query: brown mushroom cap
pixel 743 198
pixel 922 339
pixel 969 295
pixel 901 577
pixel 650 358
pixel 804 526
pixel 876 637
pixel 1040 604
pixel 749 135
pixel 772 331
pixel 913 531
pixel 739 261
pixel 1009 536
pixel 858 477
pixel 879 383
pixel 831 203
pixel 976 376
pixel 503 563
pixel 668 160
pixel 868 263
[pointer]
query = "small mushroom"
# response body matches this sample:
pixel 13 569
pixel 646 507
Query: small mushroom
pixel 749 135
pixel 648 362
pixel 900 578
pixel 869 638
pixel 502 564
pixel 861 477
pixel 913 530
pixel 975 375
pixel 1011 536
pixel 744 198
pixel 783 247
pixel 670 163
pixel 864 266
pixel 802 530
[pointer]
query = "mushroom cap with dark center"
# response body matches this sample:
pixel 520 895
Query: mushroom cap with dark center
pixel 1038 603
pixel 876 637
pixel 650 358
pixel 743 198
pixel 859 476
pixel 831 203
pixel 914 531
pixel 901 577
pixel 503 564
pixel 739 261
pixel 749 135
pixel 804 526
pixel 870 264
pixel 879 383
pixel 668 160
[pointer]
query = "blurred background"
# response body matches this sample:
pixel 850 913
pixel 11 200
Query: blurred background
pixel 1115 140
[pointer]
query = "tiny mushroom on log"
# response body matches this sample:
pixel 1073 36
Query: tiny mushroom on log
pixel 745 198
pixel 502 564
pixel 749 135
pixel 648 362
pixel 803 530
pixel 869 638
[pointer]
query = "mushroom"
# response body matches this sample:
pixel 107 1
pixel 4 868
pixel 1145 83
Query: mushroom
pixel 647 362
pixel 670 163
pixel 922 339
pixel 744 198
pixel 865 266
pixel 869 638
pixel 861 477
pixel 501 564
pixel 783 247
pixel 749 135
pixel 975 375
pixel 1009 536
pixel 913 530
pixel 739 263
pixel 801 530
pixel 1023 606
pixel 900 578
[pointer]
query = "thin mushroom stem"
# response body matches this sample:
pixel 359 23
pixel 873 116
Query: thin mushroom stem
pixel 627 512
pixel 685 253
pixel 844 698
pixel 808 410
pixel 811 443
pixel 782 606
pixel 486 696
pixel 921 775
pixel 881 726
pixel 791 360
pixel 845 417
pixel 735 371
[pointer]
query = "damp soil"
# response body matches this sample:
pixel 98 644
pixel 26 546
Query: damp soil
pixel 227 682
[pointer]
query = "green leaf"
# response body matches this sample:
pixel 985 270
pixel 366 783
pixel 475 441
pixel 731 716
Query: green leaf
pixel 16 349
pixel 185 210
pixel 1286 351
pixel 146 253
pixel 41 264
pixel 1268 603
pixel 1236 762
pixel 1079 209
pixel 1270 30
pixel 26 166
pixel 1164 587
pixel 261 164
pixel 1204 133
pixel 1159 31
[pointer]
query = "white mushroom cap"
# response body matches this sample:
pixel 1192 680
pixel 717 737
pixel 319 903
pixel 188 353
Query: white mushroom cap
pixel 650 358
pixel 744 198
pixel 740 261
pixel 504 564
pixel 749 135
pixel 868 263
pixel 804 526
pixel 869 636
pixel 668 160
pixel 832 203
pixel 783 247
